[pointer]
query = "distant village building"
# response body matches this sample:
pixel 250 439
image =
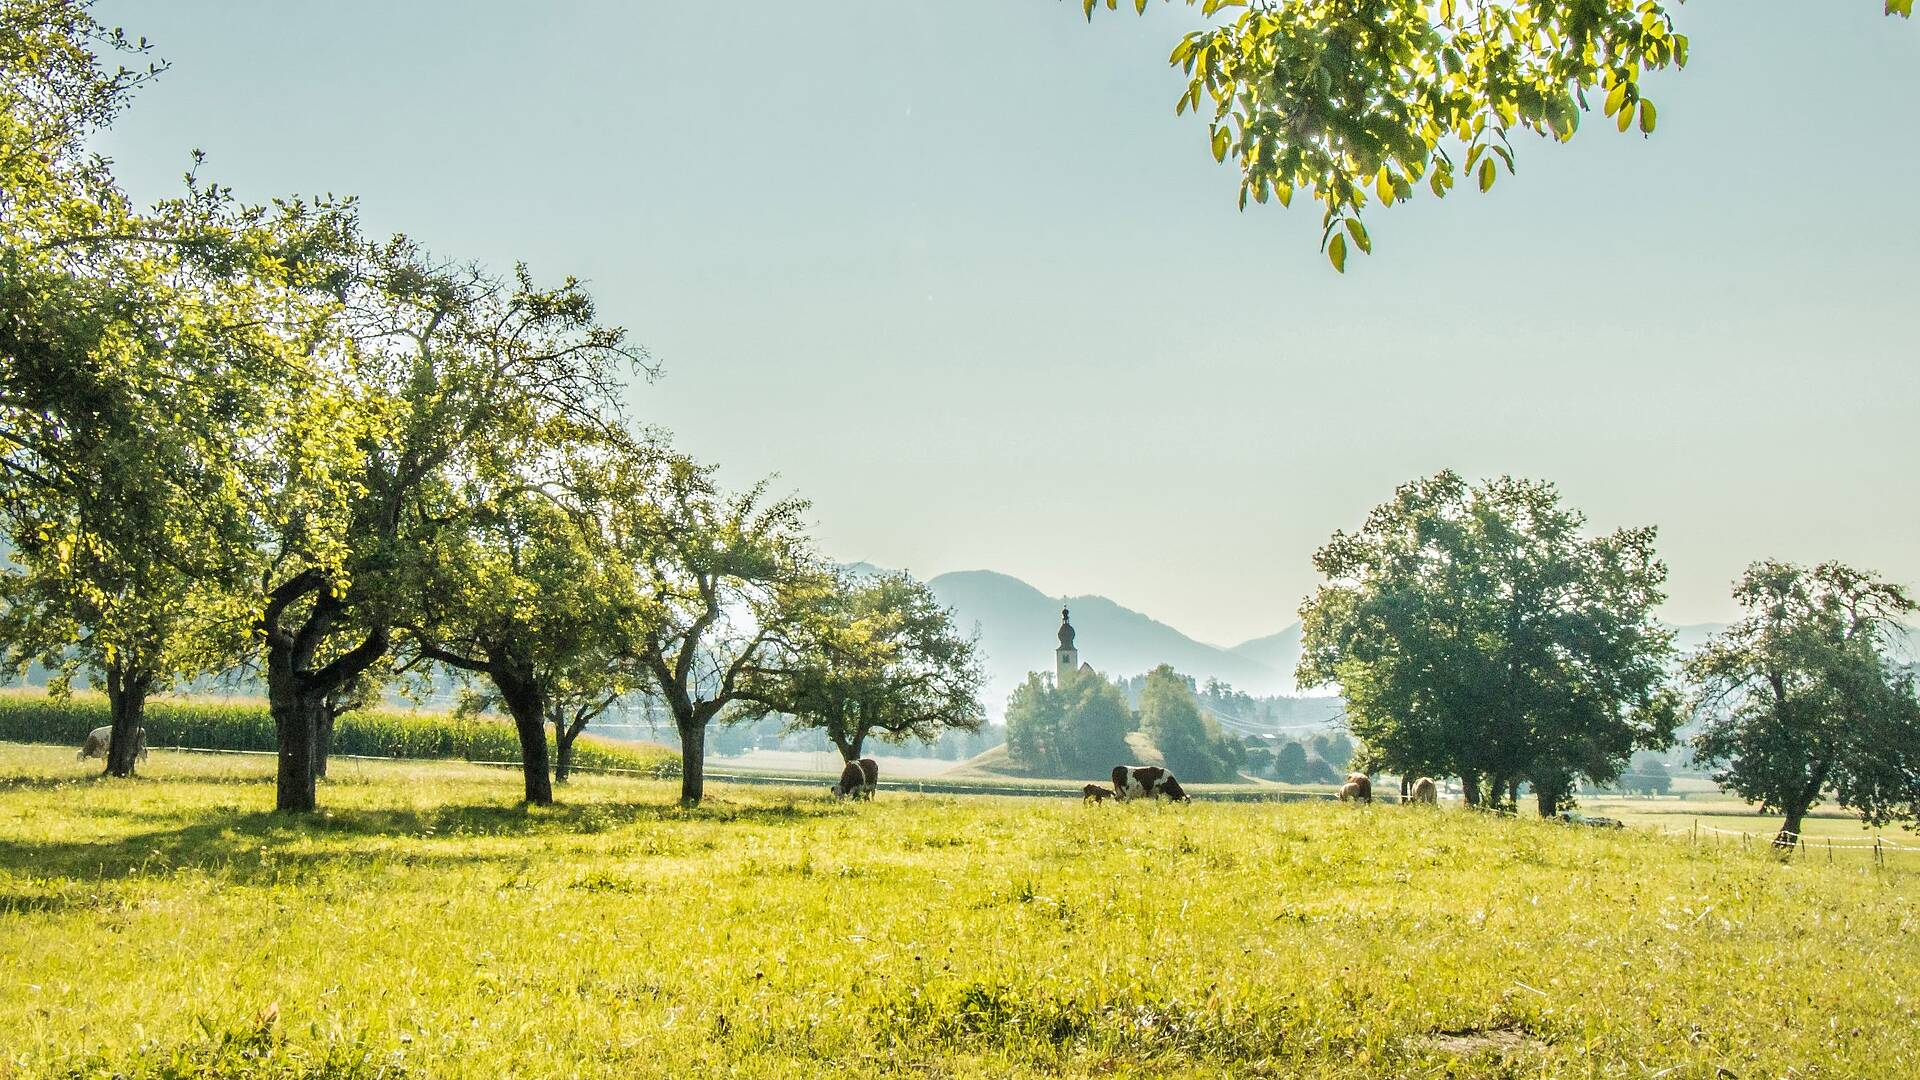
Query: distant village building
pixel 1066 659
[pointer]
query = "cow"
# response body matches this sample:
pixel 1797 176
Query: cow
pixel 1094 793
pixel 1358 789
pixel 100 740
pixel 857 779
pixel 1425 791
pixel 1141 781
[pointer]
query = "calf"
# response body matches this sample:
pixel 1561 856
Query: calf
pixel 1425 791
pixel 1094 793
pixel 1358 788
pixel 1140 781
pixel 100 740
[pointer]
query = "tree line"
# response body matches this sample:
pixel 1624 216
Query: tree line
pixel 1477 632
pixel 252 434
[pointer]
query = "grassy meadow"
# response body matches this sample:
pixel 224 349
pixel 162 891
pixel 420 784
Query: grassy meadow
pixel 425 925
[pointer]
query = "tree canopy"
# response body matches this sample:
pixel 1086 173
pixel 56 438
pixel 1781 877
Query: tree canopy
pixel 1361 101
pixel 877 655
pixel 1803 700
pixel 1475 632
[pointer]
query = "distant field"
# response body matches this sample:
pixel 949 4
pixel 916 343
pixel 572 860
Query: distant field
pixel 426 926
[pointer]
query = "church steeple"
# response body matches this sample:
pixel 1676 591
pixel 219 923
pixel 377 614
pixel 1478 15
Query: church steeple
pixel 1066 658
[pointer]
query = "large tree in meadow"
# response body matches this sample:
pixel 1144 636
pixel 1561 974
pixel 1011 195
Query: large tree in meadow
pixel 878 655
pixel 734 584
pixel 1362 101
pixel 432 373
pixel 1475 631
pixel 1803 698
pixel 530 595
pixel 142 353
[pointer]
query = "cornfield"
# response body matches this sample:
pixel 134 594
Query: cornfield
pixel 246 725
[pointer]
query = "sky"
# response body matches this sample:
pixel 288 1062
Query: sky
pixel 959 275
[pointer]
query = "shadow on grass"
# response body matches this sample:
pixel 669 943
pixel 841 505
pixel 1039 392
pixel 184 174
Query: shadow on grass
pixel 249 846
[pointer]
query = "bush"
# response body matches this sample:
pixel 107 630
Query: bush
pixel 247 725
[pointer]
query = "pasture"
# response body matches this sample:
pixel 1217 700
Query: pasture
pixel 425 925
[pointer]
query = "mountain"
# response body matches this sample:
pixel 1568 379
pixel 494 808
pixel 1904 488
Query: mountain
pixel 1017 623
pixel 1279 652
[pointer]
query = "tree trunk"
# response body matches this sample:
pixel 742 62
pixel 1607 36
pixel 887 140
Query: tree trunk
pixel 562 751
pixel 323 741
pixel 127 705
pixel 849 747
pixel 297 709
pixel 1789 833
pixel 528 705
pixel 693 761
pixel 1406 788
pixel 1470 787
pixel 1513 795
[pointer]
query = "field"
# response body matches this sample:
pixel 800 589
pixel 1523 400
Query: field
pixel 425 925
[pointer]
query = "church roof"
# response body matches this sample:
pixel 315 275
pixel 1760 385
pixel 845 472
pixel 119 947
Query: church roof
pixel 1066 630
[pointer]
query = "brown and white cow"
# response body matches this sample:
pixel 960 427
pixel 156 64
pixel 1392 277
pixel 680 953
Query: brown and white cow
pixel 1426 791
pixel 1359 788
pixel 1094 793
pixel 1142 781
pixel 100 739
pixel 858 779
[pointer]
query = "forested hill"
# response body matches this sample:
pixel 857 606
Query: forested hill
pixel 1017 623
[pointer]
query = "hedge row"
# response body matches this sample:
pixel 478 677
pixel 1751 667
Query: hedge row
pixel 246 725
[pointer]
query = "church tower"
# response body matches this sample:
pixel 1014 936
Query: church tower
pixel 1066 658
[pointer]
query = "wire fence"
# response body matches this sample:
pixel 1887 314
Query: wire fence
pixel 1797 844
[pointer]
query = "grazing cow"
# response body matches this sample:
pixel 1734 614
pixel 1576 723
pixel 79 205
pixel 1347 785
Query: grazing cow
pixel 1358 788
pixel 1426 791
pixel 850 782
pixel 100 740
pixel 858 779
pixel 1094 793
pixel 1140 781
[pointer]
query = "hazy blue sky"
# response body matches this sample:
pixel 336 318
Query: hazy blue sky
pixel 957 273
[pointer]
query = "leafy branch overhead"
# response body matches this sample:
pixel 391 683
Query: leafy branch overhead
pixel 1363 101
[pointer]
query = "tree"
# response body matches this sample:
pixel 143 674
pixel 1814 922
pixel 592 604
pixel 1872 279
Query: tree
pixel 532 597
pixel 734 583
pixel 432 375
pixel 1290 764
pixel 1802 701
pixel 1362 102
pixel 879 655
pixel 1035 717
pixel 139 356
pixel 1192 745
pixel 1094 724
pixel 1475 632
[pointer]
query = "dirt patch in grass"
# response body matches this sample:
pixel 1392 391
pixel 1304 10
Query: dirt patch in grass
pixel 1509 1041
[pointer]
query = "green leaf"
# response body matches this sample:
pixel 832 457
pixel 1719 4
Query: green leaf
pixel 1648 116
pixel 1487 173
pixel 1616 98
pixel 1359 234
pixel 1337 253
pixel 1625 120
pixel 1220 140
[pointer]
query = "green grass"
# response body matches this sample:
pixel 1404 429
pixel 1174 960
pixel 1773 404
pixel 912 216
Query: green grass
pixel 425 925
pixel 245 724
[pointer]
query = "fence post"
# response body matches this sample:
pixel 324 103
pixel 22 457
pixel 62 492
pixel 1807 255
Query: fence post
pixel 1829 851
pixel 1879 857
